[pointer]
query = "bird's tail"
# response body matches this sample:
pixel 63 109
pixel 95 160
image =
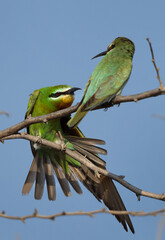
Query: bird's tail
pixel 104 189
pixel 76 119
pixel 113 201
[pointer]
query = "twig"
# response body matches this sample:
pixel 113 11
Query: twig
pixel 139 192
pixel 158 116
pixel 81 213
pixel 153 60
pixel 5 113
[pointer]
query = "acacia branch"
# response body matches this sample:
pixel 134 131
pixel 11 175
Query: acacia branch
pixel 83 160
pixel 81 213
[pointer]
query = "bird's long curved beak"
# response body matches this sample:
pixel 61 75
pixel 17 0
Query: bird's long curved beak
pixel 72 90
pixel 100 54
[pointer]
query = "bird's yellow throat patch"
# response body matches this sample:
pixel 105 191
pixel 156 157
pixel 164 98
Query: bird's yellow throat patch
pixel 66 101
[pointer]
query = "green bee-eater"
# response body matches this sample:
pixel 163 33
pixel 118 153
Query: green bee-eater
pixel 108 79
pixel 48 161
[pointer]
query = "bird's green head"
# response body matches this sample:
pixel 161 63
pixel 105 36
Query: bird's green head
pixel 50 99
pixel 120 45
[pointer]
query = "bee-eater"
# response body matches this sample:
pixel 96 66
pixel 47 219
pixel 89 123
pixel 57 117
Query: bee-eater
pixel 108 79
pixel 68 170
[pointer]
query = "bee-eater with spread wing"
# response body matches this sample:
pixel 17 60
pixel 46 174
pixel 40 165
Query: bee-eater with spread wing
pixel 68 170
pixel 108 79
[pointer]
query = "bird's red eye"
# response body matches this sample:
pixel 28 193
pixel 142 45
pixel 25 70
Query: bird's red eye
pixel 55 95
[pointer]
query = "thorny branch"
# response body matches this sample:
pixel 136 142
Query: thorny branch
pixel 81 213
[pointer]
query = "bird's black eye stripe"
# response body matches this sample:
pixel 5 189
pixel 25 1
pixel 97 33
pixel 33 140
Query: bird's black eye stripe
pixel 54 95
pixel 111 47
pixel 70 91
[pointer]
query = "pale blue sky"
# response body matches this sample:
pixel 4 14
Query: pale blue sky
pixel 46 43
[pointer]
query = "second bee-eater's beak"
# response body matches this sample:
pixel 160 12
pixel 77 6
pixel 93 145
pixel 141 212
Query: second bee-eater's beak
pixel 100 54
pixel 72 90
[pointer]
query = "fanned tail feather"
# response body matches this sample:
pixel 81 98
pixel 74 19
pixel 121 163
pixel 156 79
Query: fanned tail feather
pixel 87 177
pixel 89 141
pixel 73 181
pixel 93 149
pixel 87 148
pixel 50 181
pixel 60 174
pixel 31 177
pixel 40 179
pixel 91 156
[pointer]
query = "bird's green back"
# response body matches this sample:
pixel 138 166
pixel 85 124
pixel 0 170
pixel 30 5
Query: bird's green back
pixel 111 74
